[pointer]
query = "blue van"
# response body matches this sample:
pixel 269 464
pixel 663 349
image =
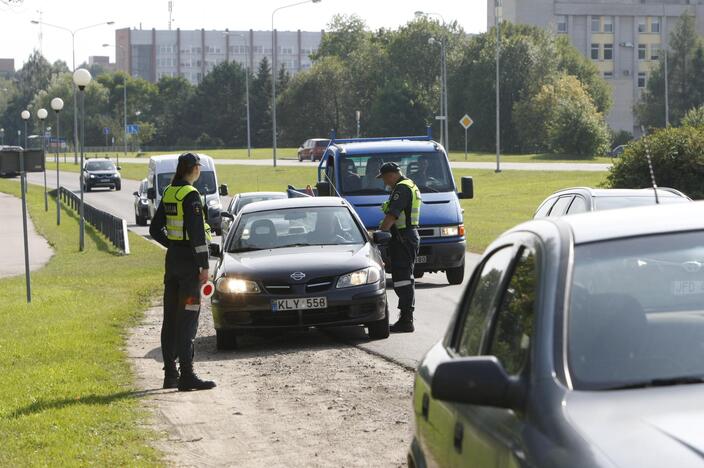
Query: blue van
pixel 349 167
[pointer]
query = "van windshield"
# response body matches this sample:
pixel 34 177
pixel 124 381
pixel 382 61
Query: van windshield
pixel 429 171
pixel 205 183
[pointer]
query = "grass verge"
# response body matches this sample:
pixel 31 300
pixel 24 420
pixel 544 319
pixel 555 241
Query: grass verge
pixel 67 393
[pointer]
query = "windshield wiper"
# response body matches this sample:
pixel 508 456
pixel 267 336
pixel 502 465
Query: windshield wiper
pixel 299 244
pixel 429 189
pixel 668 382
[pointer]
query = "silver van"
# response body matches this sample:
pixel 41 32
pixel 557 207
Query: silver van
pixel 161 173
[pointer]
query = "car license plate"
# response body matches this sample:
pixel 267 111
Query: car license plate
pixel 422 259
pixel 687 288
pixel 303 303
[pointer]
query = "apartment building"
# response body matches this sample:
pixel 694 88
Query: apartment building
pixel 624 38
pixel 152 54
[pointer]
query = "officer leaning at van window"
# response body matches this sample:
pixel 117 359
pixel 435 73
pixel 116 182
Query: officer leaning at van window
pixel 402 215
pixel 179 225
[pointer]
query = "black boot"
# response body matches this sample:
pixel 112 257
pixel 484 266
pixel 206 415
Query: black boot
pixel 404 324
pixel 170 377
pixel 190 381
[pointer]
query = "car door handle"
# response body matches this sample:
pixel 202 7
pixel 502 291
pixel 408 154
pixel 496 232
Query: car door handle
pixel 425 406
pixel 459 436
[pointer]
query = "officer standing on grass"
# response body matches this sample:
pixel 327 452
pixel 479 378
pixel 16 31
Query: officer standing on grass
pixel 401 218
pixel 179 225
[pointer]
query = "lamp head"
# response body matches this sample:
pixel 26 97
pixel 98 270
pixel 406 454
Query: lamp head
pixel 81 78
pixel 57 104
pixel 42 114
pixel 25 115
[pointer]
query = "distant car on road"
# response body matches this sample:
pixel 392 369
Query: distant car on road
pixel 241 200
pixel 141 204
pixel 578 343
pixel 101 173
pixel 298 263
pixel 583 199
pixel 312 149
pixel 617 151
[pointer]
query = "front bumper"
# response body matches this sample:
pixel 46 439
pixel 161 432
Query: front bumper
pixel 441 256
pixel 350 306
pixel 102 182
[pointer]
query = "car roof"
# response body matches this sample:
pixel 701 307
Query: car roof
pixel 286 203
pixel 604 192
pixel 604 225
pixel 168 162
pixel 389 146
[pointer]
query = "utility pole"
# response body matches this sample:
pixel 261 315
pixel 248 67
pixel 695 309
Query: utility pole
pixel 497 20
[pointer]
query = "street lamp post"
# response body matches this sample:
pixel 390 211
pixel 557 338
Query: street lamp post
pixel 497 19
pixel 57 104
pixel 444 138
pixel 42 115
pixel 2 136
pixel 274 46
pixel 81 78
pixel 124 113
pixel 23 188
pixel 246 87
pixel 73 33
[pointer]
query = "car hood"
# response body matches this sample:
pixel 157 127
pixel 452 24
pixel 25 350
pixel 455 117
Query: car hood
pixel 102 172
pixel 437 209
pixel 313 261
pixel 650 427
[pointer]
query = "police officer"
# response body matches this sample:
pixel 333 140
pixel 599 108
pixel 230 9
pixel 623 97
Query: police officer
pixel 401 218
pixel 179 225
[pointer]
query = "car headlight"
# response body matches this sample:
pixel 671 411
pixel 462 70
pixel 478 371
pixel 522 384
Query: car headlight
pixel 237 286
pixel 213 202
pixel 144 202
pixel 116 175
pixel 359 278
pixel 452 231
pixel 92 176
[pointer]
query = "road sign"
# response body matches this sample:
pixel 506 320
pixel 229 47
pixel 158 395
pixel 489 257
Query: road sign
pixel 466 121
pixel 106 131
pixel 133 129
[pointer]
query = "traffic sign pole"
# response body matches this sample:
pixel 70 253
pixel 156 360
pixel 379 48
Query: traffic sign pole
pixel 466 122
pixel 465 144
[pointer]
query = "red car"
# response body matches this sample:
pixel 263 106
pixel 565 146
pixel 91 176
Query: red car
pixel 313 149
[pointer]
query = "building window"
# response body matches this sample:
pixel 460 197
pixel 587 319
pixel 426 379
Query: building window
pixel 608 75
pixel 642 51
pixel 642 25
pixel 654 52
pixel 655 24
pixel 608 24
pixel 562 24
pixel 641 80
pixel 608 51
pixel 595 51
pixel 596 23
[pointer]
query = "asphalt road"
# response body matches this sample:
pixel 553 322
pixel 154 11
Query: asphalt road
pixel 435 299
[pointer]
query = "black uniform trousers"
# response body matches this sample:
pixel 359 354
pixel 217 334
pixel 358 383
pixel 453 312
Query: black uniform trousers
pixel 403 250
pixel 181 306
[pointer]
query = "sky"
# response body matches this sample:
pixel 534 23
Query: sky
pixel 18 37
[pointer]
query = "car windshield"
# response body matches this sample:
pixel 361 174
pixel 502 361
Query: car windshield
pixel 636 312
pixel 205 183
pixel 246 200
pixel 293 227
pixel 610 203
pixel 100 166
pixel 429 171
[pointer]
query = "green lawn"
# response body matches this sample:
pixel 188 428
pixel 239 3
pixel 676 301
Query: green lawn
pixel 67 388
pixel 527 158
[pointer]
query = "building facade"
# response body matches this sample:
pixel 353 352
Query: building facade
pixel 153 54
pixel 624 38
pixel 7 67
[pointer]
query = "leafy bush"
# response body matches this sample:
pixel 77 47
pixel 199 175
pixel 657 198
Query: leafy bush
pixel 622 137
pixel 678 161
pixel 694 117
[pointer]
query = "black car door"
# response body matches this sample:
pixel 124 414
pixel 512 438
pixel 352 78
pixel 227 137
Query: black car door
pixel 487 436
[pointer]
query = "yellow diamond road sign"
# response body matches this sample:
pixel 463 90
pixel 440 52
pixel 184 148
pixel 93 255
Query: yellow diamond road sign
pixel 466 121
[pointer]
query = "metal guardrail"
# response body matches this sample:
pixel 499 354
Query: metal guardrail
pixel 112 227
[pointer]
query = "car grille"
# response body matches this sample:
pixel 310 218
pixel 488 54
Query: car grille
pixel 319 284
pixel 313 286
pixel 277 288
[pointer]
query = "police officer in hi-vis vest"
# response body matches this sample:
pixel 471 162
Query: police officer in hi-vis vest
pixel 401 217
pixel 179 225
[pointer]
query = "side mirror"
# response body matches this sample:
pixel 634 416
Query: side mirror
pixel 223 190
pixel 228 215
pixel 381 237
pixel 324 189
pixel 467 188
pixel 151 194
pixel 476 381
pixel 136 194
pixel 214 250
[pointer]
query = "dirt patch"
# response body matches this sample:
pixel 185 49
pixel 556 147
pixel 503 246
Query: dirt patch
pixel 299 399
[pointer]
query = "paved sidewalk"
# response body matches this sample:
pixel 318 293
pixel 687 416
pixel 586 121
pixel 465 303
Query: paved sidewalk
pixel 11 240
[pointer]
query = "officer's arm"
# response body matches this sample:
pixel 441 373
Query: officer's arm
pixel 399 199
pixel 195 227
pixel 388 222
pixel 157 229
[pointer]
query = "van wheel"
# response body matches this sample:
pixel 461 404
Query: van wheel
pixel 140 220
pixel 455 275
pixel 379 330
pixel 418 274
pixel 225 340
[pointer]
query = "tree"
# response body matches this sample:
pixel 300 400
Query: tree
pixel 260 106
pixel 171 110
pixel 343 36
pixel 694 117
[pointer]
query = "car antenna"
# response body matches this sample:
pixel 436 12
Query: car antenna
pixel 650 165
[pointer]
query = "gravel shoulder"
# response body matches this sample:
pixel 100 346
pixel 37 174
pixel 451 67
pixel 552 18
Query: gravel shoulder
pixel 297 399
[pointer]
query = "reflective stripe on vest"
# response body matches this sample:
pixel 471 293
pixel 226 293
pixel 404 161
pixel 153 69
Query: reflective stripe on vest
pixel 173 207
pixel 415 205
